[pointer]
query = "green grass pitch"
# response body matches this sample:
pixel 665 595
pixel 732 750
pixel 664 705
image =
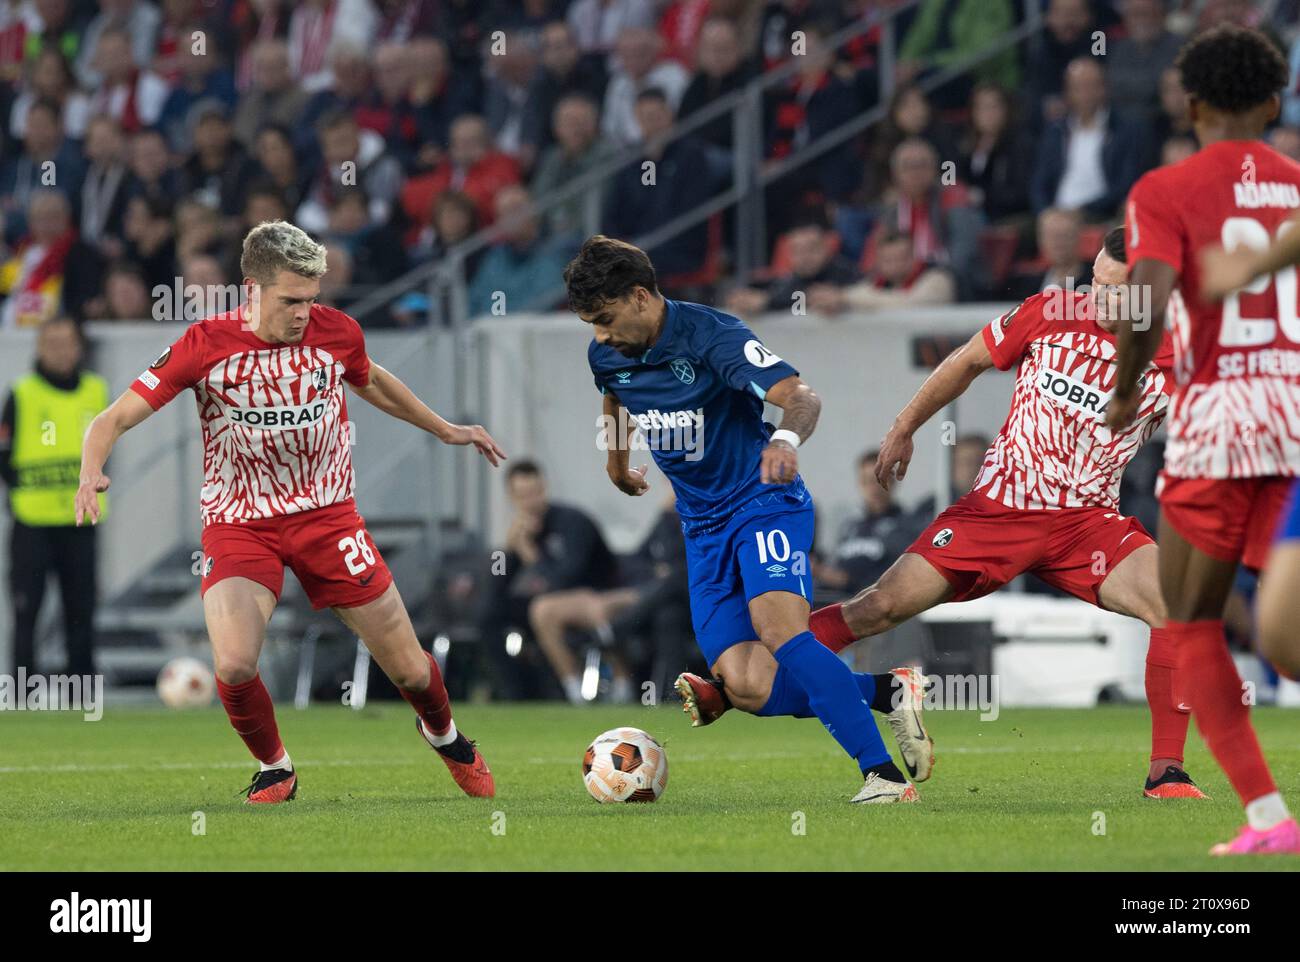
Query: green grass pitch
pixel 1027 791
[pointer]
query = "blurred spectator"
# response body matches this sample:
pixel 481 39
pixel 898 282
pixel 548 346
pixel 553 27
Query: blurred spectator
pixel 814 263
pixel 350 157
pixel 721 68
pixel 45 150
pixel 549 547
pixel 507 103
pixel 375 249
pixel 597 23
pixel 277 164
pixel 522 267
pixel 135 20
pixel 125 296
pixel 252 22
pixel 967 462
pixel 1058 263
pixel 217 171
pixel 315 26
pixel 350 85
pixel 43 25
pixel 472 166
pixel 1090 158
pixel 104 188
pixel 1174 118
pixel 150 237
pixel 995 156
pixel 639 66
pixel 780 20
pixel 272 97
pixel 50 78
pixel 1177 149
pixel 653 597
pixel 909 115
pixel 941 220
pixel 1067 36
pixel 388 110
pixel 1137 61
pixel 130 94
pixel 336 285
pixel 946 32
pixel 578 148
pixel 813 102
pixel 205 271
pixel 43 420
pixel 563 71
pixel 464 25
pixel 869 544
pixel 200 228
pixel 1286 141
pixel 50 271
pixel 634 207
pixel 1291 96
pixel 681 25
pixel 454 219
pixel 439 96
pixel 152 174
pixel 203 77
pixel 897 280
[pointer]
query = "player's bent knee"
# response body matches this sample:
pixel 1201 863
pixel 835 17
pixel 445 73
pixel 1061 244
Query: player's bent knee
pixel 874 609
pixel 235 671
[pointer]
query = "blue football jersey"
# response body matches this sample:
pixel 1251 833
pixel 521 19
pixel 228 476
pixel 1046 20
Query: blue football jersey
pixel 697 396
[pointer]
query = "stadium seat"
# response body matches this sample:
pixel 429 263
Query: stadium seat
pixel 711 270
pixel 998 247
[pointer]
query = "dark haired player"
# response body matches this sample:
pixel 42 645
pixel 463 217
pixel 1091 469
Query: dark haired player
pixel 1047 498
pixel 1234 422
pixel 694 380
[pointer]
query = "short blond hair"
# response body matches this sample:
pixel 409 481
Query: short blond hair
pixel 277 245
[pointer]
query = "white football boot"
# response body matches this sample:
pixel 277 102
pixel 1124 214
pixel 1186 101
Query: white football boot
pixel 914 742
pixel 880 791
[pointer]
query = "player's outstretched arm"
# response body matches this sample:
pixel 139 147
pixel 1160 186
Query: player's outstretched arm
pixel 946 383
pixel 387 392
pixel 628 480
pixel 802 408
pixel 1223 272
pixel 109 425
pixel 1138 338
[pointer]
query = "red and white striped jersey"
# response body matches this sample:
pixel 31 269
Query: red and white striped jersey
pixel 1236 410
pixel 274 418
pixel 1055 451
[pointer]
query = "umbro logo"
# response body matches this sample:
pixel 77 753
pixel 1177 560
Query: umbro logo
pixel 776 569
pixel 624 377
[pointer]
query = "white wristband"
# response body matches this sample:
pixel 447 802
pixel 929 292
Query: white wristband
pixel 789 437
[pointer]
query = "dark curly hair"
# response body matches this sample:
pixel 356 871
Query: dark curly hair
pixel 606 269
pixel 1232 68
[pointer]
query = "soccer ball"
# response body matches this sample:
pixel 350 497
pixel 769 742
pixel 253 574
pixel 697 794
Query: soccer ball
pixel 625 765
pixel 186 683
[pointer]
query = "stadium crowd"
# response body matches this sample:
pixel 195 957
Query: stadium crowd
pixel 140 141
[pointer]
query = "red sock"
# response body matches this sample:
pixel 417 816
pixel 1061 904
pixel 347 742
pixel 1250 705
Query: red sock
pixel 249 707
pixel 1216 696
pixel 830 628
pixel 1168 724
pixel 432 704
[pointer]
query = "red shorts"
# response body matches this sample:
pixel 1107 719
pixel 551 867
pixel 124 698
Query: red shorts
pixel 980 545
pixel 328 550
pixel 1231 519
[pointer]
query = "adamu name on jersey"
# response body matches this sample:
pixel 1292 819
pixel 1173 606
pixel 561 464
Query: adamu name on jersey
pixel 697 396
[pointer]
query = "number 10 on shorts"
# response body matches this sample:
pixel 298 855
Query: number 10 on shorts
pixel 357 553
pixel 772 544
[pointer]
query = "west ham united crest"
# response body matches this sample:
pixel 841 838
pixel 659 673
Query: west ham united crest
pixel 682 368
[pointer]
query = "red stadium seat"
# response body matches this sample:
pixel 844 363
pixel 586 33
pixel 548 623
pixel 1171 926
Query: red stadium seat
pixel 711 270
pixel 998 245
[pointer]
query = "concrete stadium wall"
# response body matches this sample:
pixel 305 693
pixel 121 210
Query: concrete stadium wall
pixel 526 379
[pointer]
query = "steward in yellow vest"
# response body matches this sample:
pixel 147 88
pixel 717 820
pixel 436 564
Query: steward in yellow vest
pixel 42 425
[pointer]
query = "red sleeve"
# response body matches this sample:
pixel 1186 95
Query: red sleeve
pixel 356 363
pixel 1154 228
pixel 177 368
pixel 1007 336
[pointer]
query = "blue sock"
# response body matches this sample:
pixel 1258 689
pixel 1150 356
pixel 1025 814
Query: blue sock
pixel 834 697
pixel 789 698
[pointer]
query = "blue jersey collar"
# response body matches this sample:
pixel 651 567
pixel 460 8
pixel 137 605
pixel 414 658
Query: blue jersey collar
pixel 662 346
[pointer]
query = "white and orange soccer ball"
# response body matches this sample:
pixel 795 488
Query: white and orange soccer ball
pixel 186 683
pixel 625 765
